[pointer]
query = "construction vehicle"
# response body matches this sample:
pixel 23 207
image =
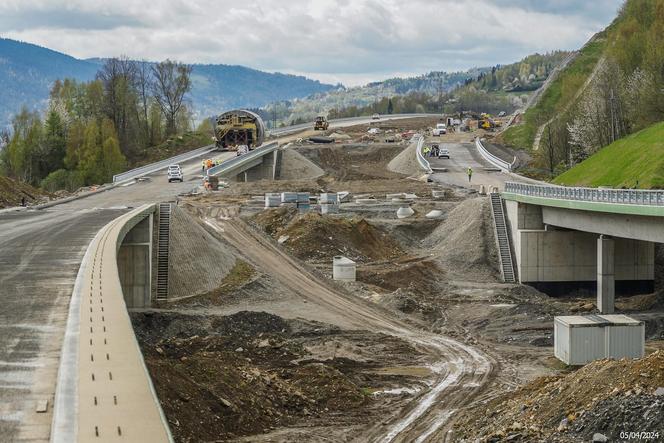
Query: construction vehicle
pixel 487 123
pixel 239 128
pixel 321 124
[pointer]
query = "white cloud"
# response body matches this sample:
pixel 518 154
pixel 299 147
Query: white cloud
pixel 348 40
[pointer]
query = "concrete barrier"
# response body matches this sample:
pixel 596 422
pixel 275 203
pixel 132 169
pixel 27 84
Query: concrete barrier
pixel 492 159
pixel 424 163
pixel 104 391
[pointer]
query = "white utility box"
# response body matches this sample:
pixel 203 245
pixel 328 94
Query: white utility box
pixel 578 340
pixel 343 268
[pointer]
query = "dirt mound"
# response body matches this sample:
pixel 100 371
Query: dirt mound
pixel 465 241
pixel 294 166
pixel 406 162
pixel 621 414
pixel 198 261
pixel 219 378
pixel 557 406
pixel 419 277
pixel 273 220
pixel 12 191
pixel 318 238
pixel 354 162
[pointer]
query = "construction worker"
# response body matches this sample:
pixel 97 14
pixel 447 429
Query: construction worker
pixel 203 170
pixel 426 151
pixel 470 174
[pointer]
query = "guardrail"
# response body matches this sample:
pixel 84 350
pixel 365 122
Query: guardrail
pixel 495 161
pixel 238 161
pixel 424 163
pixel 104 391
pixel 154 167
pixel 619 196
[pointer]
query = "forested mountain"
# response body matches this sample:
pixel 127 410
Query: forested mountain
pixel 612 89
pixel 406 93
pixel 28 71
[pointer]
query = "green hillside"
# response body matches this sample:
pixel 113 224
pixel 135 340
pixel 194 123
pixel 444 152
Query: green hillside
pixel 638 157
pixel 560 93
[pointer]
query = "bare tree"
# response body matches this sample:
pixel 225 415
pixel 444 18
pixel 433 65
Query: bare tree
pixel 171 81
pixel 118 76
pixel 143 82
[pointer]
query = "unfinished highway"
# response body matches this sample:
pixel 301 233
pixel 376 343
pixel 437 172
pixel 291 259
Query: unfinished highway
pixel 40 254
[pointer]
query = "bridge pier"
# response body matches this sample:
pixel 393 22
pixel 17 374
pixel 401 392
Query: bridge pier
pixel 135 265
pixel 606 274
pixel 558 260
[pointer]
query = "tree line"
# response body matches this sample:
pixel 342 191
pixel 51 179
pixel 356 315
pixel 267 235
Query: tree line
pixel 93 130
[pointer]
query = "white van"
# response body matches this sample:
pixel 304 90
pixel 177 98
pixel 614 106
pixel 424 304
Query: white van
pixel 441 128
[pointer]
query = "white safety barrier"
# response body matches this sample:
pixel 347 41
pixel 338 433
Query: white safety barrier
pixel 424 163
pixel 158 166
pixel 495 161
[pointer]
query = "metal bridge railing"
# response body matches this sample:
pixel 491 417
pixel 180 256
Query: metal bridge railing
pixel 619 196
pixel 154 167
pixel 237 161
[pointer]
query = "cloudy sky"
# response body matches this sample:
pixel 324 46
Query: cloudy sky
pixel 350 41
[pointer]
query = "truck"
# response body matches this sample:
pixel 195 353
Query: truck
pixel 441 128
pixel 321 124
pixel 238 128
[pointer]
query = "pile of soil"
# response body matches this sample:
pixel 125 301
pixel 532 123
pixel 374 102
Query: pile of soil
pixel 574 405
pixel 222 377
pixel 354 162
pixel 12 191
pixel 465 242
pixel 294 166
pixel 313 237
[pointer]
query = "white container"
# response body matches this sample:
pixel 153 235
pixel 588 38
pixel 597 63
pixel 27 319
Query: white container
pixel 303 197
pixel 343 269
pixel 578 340
pixel 289 197
pixel 272 200
pixel 329 198
pixel 435 214
pixel 405 212
pixel 329 209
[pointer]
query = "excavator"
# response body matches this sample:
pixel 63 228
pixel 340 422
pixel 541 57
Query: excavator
pixel 487 123
pixel 321 124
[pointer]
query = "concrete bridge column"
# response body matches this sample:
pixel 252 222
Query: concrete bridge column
pixel 135 265
pixel 606 279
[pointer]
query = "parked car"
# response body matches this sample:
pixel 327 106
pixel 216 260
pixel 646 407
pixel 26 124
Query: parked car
pixel 375 117
pixel 175 173
pixel 444 153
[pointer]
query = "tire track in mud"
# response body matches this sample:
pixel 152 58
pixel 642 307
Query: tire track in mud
pixel 461 371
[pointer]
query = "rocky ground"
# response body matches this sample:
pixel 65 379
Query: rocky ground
pixel 225 369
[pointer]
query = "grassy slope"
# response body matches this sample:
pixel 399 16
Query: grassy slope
pixel 637 157
pixel 559 94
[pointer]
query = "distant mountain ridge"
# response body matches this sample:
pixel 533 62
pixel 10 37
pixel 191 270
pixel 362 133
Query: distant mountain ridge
pixel 27 72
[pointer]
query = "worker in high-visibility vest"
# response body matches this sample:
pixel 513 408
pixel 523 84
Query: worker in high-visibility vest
pixel 203 170
pixel 470 174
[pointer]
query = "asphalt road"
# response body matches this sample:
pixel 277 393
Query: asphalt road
pixel 40 253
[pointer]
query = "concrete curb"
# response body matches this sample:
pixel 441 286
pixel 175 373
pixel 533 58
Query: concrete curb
pixel 70 422
pixel 65 408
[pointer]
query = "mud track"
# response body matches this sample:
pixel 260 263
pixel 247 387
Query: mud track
pixel 462 372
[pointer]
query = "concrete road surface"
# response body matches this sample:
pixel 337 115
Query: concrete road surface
pixel 39 259
pixel 462 156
